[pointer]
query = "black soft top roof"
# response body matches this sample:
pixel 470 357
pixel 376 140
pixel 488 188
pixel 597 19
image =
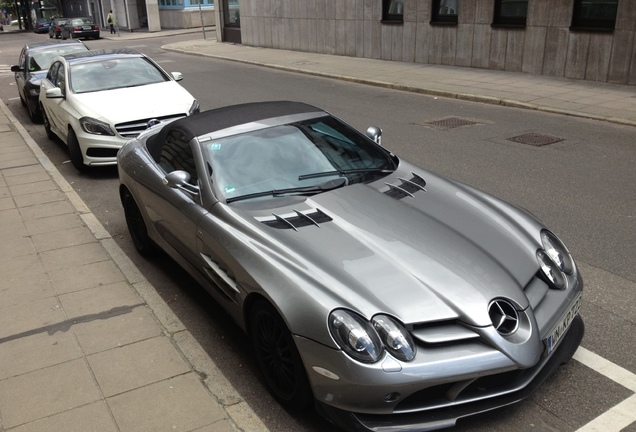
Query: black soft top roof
pixel 234 115
pixel 226 117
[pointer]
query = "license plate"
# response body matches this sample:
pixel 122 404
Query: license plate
pixel 562 325
pixel 87 28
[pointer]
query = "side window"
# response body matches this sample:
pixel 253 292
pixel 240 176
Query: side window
pixel 22 60
pixel 51 75
pixel 594 15
pixel 176 154
pixel 393 11
pixel 510 13
pixel 60 79
pixel 444 12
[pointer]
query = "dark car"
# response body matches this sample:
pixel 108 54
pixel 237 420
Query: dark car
pixel 33 63
pixel 385 295
pixel 55 30
pixel 42 25
pixel 80 28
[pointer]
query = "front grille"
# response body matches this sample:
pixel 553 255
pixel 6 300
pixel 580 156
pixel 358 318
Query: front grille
pixel 102 152
pixel 133 128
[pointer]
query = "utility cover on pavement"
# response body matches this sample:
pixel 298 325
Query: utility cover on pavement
pixel 535 139
pixel 451 123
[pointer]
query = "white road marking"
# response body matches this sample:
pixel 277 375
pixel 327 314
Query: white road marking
pixel 621 415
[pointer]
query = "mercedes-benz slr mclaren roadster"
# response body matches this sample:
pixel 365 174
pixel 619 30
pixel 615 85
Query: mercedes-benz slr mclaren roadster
pixel 392 298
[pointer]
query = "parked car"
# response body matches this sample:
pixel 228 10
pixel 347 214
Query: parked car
pixel 42 25
pixel 80 28
pixel 389 296
pixel 95 101
pixel 33 65
pixel 55 30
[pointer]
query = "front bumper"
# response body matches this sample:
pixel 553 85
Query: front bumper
pixel 522 383
pixel 99 150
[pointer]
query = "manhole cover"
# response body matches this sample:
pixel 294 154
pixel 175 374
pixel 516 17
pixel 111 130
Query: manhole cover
pixel 535 139
pixel 451 123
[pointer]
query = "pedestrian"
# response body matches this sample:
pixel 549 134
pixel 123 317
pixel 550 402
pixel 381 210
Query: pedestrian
pixel 111 21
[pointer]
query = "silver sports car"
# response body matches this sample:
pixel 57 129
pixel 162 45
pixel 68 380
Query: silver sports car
pixel 393 298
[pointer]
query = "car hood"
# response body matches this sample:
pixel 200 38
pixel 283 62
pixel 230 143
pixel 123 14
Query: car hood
pixel 131 103
pixel 444 254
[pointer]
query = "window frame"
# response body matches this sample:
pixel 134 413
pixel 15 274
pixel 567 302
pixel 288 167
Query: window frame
pixel 505 21
pixel 443 19
pixel 391 18
pixel 591 24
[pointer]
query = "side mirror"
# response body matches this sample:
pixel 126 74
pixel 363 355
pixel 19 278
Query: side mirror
pixel 375 133
pixel 54 93
pixel 16 68
pixel 180 180
pixel 177 76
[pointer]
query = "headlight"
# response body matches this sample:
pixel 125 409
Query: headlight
pixel 96 127
pixel 557 251
pixel 395 337
pixel 355 336
pixel 551 270
pixel 195 108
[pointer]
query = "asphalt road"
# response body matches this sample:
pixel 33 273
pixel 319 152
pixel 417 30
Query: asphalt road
pixel 582 187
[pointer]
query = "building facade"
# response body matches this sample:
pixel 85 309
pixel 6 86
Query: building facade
pixel 582 39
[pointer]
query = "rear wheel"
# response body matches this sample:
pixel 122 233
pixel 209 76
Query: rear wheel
pixel 47 125
pixel 278 358
pixel 75 151
pixel 136 226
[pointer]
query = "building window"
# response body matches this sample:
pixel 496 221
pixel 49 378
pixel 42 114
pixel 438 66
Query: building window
pixel 393 11
pixel 511 13
pixel 444 12
pixel 594 15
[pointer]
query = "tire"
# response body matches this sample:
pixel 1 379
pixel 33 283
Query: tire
pixel 47 125
pixel 278 358
pixel 137 226
pixel 75 151
pixel 35 114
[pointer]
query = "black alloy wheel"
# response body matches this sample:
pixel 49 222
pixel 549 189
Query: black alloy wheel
pixel 278 358
pixel 75 151
pixel 136 226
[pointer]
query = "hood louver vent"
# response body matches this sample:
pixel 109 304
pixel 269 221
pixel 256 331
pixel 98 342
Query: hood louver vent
pixel 406 188
pixel 295 220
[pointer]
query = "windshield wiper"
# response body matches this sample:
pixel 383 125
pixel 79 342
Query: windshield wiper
pixel 305 190
pixel 349 171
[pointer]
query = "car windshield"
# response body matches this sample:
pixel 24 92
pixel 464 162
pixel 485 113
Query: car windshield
pixel 41 59
pixel 300 158
pixel 113 73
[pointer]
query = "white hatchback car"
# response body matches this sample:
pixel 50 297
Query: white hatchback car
pixel 95 101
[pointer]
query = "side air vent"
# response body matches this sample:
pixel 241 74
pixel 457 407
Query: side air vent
pixel 406 188
pixel 295 220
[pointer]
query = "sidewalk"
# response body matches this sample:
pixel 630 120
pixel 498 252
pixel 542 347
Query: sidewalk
pixel 85 342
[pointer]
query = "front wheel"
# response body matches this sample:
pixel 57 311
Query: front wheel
pixel 278 358
pixel 75 151
pixel 136 226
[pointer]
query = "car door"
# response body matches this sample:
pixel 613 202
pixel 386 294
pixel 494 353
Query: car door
pixel 175 213
pixel 20 76
pixel 56 107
